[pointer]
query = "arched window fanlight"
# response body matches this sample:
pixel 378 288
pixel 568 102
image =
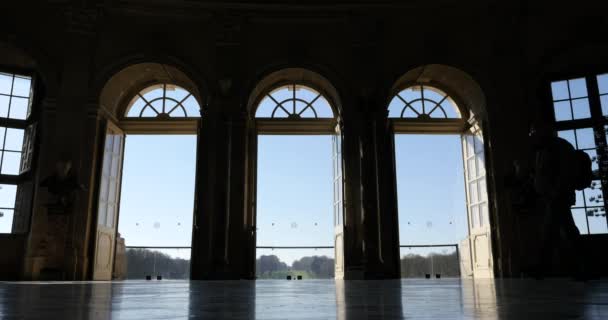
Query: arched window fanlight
pixel 294 101
pixel 423 102
pixel 163 101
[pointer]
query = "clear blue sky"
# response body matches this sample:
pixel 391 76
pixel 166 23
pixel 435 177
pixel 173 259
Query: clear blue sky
pixel 430 190
pixel 157 197
pixel 295 192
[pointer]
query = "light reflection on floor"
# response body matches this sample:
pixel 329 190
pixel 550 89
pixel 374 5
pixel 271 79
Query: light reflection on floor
pixel 306 299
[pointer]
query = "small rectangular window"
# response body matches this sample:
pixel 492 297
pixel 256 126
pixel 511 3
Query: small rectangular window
pixel 17 134
pixel 15 96
pixel 589 203
pixel 570 99
pixel 11 145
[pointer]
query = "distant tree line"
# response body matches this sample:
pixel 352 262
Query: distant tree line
pixel 417 266
pixel 315 267
pixel 143 262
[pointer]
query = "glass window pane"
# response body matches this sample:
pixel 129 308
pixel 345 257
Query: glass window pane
pixel 559 90
pixel 192 108
pixel 417 105
pixel 597 222
pixel 562 111
pixel 136 107
pixel 394 108
pixel 470 145
pixel 19 108
pixel 323 108
pixel 481 166
pixel 117 143
pixel 21 87
pixel 594 160
pixel 101 218
pixel 148 113
pixel 474 216
pixel 176 92
pixel 283 93
pixel 4 102
pixel 483 190
pixel 8 192
pixel 11 163
pixel 6 83
pixel 450 108
pixel 473 197
pixel 580 107
pixel 410 113
pixel 158 106
pixel 567 135
pixel 265 108
pixel 110 215
pixel 157 101
pixel 593 194
pixel 604 102
pixel 580 199
pixel 578 88
pixel 478 143
pixel 112 192
pixel 602 83
pixel 153 92
pixel 485 219
pixel 14 139
pixel 580 219
pixel 585 138
pixel 6 220
pixel 434 103
pixel 103 189
pixel 471 168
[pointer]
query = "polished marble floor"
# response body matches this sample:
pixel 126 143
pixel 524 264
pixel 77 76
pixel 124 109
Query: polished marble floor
pixel 306 299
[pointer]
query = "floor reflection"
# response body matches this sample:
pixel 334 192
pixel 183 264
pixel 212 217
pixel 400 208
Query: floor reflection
pixel 306 299
pixel 369 299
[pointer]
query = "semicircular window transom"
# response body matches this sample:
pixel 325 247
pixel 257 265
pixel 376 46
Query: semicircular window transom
pixel 294 101
pixel 163 101
pixel 423 102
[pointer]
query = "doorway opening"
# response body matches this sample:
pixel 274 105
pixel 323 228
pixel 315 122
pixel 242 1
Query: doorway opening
pixel 156 207
pixel 444 220
pixel 299 208
pixel 294 207
pixel 145 200
pixel 431 204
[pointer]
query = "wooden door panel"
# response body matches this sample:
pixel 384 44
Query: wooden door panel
pixel 477 204
pixel 108 203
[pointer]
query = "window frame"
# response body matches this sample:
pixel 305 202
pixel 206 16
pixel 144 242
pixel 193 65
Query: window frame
pixel 430 125
pixel 597 122
pixel 23 180
pixel 291 126
pixel 149 125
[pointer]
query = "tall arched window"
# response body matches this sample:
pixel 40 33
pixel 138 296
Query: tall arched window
pixel 423 102
pixel 295 108
pixel 422 108
pixel 294 101
pixel 163 101
pixel 297 149
pixel 154 125
pixel 428 122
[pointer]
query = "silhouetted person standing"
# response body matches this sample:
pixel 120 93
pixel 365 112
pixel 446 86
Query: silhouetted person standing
pixel 558 171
